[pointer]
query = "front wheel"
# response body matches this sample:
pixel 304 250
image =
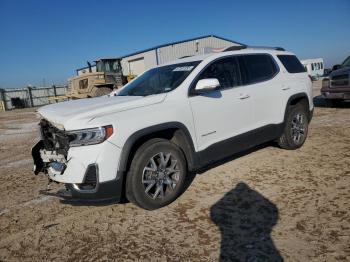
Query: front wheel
pixel 157 174
pixel 296 128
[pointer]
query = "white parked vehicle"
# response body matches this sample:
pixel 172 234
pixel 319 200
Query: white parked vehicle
pixel 314 67
pixel 174 119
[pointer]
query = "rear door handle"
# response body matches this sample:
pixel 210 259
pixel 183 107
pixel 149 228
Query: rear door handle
pixel 243 96
pixel 285 88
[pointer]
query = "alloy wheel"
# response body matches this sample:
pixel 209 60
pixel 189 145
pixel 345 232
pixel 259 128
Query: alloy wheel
pixel 161 175
pixel 298 128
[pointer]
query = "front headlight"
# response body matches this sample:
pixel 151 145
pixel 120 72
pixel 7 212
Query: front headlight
pixel 325 83
pixel 89 136
pixel 100 77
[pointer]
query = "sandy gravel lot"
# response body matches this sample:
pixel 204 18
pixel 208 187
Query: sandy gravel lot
pixel 268 205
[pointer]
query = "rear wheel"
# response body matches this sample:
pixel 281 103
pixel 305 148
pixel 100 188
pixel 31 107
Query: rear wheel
pixel 157 174
pixel 100 91
pixel 296 128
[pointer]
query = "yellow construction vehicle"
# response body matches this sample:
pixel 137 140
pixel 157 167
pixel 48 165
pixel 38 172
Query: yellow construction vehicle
pixel 97 80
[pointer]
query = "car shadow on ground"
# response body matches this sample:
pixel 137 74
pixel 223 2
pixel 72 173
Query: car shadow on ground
pixel 235 156
pixel 189 179
pixel 319 101
pixel 245 219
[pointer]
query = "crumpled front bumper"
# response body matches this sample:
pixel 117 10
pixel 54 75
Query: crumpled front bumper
pixel 102 159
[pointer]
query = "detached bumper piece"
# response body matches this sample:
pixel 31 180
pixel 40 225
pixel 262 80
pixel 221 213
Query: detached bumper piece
pixel 38 162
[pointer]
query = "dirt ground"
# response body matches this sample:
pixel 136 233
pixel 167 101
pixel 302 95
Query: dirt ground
pixel 267 205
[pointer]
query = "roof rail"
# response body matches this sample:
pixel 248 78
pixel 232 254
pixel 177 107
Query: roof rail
pixel 280 48
pixel 185 56
pixel 235 48
pixel 268 47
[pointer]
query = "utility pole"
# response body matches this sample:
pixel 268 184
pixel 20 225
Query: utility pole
pixel 2 100
pixel 30 96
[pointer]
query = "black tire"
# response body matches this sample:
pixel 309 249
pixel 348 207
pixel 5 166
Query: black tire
pixel 170 183
pixel 293 126
pixel 100 91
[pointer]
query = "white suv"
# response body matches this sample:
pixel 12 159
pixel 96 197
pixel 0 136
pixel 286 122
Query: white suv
pixel 142 141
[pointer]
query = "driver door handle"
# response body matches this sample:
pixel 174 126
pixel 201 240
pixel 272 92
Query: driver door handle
pixel 243 96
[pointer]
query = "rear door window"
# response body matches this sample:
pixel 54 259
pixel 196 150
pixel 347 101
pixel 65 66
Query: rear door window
pixel 292 64
pixel 257 68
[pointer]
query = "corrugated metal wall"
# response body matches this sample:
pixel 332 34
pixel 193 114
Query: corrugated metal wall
pixel 172 52
pixel 39 96
pixel 195 47
pixel 149 57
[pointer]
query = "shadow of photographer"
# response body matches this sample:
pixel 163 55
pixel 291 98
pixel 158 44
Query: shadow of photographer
pixel 245 219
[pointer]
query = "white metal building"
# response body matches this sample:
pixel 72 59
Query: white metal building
pixel 315 66
pixel 136 63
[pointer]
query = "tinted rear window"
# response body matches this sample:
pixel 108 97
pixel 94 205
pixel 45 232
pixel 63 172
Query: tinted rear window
pixel 257 68
pixel 292 64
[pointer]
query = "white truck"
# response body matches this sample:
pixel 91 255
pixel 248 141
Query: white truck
pixel 143 140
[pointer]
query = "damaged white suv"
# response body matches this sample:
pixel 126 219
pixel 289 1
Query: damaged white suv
pixel 174 119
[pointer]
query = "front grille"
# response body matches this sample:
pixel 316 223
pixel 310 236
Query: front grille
pixel 53 138
pixel 116 79
pixel 340 80
pixel 340 77
pixel 110 79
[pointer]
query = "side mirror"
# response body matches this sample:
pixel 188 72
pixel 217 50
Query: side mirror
pixel 336 67
pixel 206 85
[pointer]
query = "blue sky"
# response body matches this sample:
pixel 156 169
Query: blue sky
pixel 50 39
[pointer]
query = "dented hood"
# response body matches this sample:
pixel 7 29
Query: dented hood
pixel 65 113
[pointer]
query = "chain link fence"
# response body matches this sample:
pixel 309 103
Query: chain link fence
pixel 31 96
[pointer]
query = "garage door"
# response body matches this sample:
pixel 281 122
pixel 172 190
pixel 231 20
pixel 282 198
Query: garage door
pixel 137 67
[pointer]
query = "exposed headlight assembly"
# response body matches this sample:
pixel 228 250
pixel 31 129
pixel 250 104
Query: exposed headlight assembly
pixel 89 136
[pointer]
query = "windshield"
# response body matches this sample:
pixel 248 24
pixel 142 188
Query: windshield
pixel 112 66
pixel 159 80
pixel 346 62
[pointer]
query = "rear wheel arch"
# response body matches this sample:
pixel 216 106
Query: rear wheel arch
pixel 300 98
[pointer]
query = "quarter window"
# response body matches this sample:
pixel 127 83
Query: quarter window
pixel 257 68
pixel 292 64
pixel 225 70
